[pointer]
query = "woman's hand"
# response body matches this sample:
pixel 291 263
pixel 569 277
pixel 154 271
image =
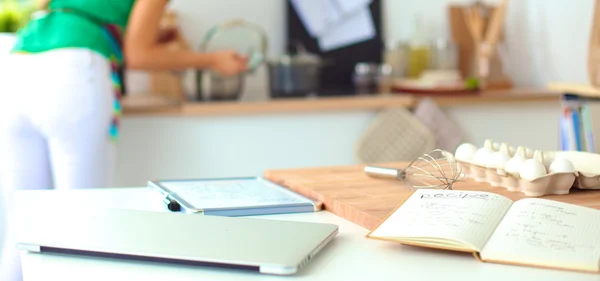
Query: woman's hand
pixel 228 63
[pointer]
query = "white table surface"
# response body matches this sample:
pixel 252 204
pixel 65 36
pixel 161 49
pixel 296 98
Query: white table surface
pixel 349 257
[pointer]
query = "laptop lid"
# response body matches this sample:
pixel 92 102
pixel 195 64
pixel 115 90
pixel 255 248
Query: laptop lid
pixel 264 245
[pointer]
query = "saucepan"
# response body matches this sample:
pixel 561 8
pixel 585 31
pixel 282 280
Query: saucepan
pixel 294 75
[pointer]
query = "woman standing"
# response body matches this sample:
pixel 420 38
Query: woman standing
pixel 60 91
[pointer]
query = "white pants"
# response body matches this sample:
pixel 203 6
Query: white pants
pixel 55 112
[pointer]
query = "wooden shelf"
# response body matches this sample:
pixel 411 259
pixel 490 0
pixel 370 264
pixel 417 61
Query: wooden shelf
pixel 328 104
pixel 299 105
pixel 585 90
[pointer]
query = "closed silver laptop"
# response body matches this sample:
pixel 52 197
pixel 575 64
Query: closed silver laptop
pixel 263 245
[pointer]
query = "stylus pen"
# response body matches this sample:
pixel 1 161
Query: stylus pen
pixel 172 205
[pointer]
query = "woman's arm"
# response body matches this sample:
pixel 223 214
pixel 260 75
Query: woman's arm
pixel 142 49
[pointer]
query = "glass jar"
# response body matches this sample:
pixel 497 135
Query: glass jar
pixel 444 55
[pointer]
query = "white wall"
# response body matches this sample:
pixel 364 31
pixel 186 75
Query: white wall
pixel 545 40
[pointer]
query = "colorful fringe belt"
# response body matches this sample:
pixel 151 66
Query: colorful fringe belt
pixel 115 36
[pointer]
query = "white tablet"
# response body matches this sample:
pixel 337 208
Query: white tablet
pixel 232 197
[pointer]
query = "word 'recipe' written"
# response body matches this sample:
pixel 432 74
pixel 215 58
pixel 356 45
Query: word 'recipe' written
pixel 458 195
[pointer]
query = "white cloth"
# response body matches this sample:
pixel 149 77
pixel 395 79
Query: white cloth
pixel 55 113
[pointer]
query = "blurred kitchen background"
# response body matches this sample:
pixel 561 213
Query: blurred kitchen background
pixel 368 42
pixel 544 41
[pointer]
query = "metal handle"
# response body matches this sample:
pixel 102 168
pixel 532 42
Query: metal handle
pixel 381 172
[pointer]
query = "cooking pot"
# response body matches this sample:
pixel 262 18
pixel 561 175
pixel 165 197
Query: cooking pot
pixel 237 35
pixel 215 87
pixel 295 75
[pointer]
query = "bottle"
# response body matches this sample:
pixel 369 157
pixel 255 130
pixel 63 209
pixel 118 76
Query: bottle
pixel 418 50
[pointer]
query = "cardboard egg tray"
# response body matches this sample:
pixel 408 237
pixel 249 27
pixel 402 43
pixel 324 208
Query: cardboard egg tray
pixel 549 184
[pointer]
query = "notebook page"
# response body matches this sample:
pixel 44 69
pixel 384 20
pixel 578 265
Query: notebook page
pixel 467 216
pixel 233 193
pixel 547 233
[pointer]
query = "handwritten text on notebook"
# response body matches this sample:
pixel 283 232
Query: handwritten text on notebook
pixel 548 233
pixel 548 226
pixel 461 215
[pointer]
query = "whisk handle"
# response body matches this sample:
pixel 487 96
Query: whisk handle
pixel 381 172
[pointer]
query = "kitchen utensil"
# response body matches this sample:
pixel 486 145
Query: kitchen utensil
pixel 295 75
pixel 485 35
pixel 245 37
pixel 434 170
pixel 215 87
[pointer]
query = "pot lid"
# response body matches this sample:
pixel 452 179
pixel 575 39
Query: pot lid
pixel 302 57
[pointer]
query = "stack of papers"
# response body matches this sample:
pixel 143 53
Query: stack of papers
pixel 336 23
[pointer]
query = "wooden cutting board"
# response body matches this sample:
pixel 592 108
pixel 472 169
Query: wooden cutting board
pixel 347 192
pixel 594 47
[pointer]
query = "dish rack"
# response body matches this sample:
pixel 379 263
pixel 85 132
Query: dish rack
pixel 534 173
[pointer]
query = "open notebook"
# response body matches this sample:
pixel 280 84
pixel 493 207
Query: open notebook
pixel 533 231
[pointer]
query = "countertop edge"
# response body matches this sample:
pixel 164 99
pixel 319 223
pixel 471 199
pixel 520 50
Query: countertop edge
pixel 330 104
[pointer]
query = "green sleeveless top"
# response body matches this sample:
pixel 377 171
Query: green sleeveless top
pixel 69 30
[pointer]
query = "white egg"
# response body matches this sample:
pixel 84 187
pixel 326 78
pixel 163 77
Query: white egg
pixel 497 160
pixel 513 165
pixel 532 169
pixel 465 152
pixel 482 155
pixel 561 165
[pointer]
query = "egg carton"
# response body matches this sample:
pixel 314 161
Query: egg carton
pixel 546 172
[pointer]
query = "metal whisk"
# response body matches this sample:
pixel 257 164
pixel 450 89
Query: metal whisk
pixel 435 170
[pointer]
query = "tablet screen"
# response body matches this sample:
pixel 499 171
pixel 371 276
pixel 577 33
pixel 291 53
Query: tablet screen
pixel 225 193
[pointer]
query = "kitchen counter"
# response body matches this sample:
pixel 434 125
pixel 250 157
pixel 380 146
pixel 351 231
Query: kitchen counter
pixel 256 134
pixel 144 105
